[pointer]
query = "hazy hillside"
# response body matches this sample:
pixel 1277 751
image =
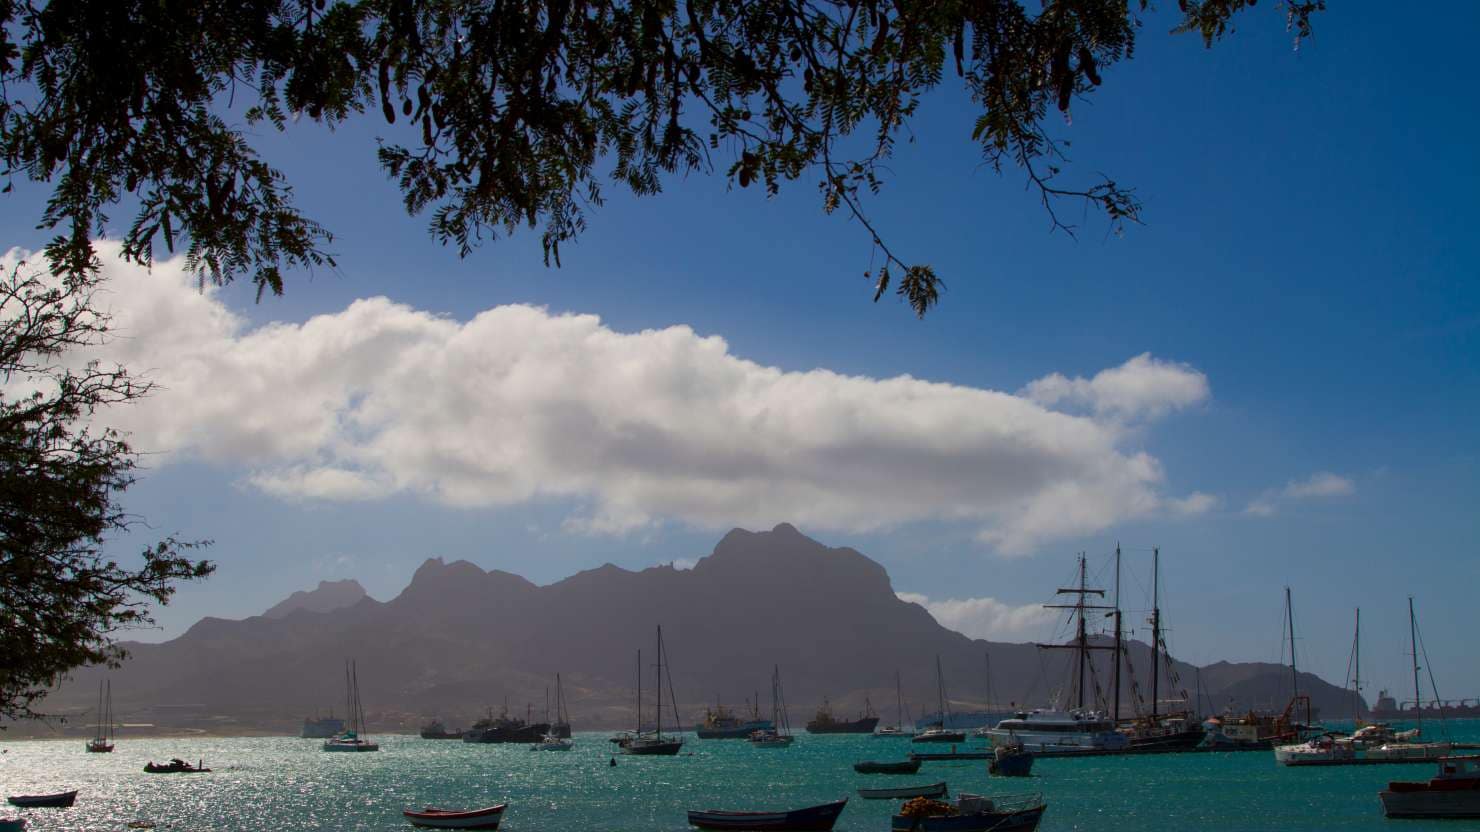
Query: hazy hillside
pixel 459 639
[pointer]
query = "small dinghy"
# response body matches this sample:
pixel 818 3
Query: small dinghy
pixel 904 792
pixel 60 800
pixel 175 766
pixel 971 813
pixel 433 818
pixel 812 819
pixel 876 767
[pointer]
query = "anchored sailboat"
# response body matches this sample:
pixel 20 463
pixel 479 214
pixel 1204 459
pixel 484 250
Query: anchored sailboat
pixel 897 729
pixel 102 743
pixel 779 736
pixel 654 743
pixel 938 732
pixel 352 739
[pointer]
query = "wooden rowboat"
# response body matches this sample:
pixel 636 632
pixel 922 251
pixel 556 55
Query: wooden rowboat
pixel 904 792
pixel 876 767
pixel 812 819
pixel 60 800
pixel 433 818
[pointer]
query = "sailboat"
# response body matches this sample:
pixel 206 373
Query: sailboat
pixel 780 736
pixel 653 743
pixel 938 732
pixel 351 739
pixel 103 742
pixel 1158 731
pixel 556 740
pixel 1371 744
pixel 895 730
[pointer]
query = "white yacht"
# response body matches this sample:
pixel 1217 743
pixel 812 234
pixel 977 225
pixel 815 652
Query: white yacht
pixel 1042 730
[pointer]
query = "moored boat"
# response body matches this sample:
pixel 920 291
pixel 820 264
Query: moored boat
pixel 933 790
pixel 12 825
pixel 722 724
pixel 60 800
pixel 1453 793
pixel 433 818
pixel 553 743
pixel 780 736
pixel 1010 761
pixel 825 723
pixel 890 767
pixel 352 739
pixel 435 730
pixel 812 819
pixel 971 813
pixel 175 766
pixel 938 732
pixel 1060 731
pixel 102 742
pixel 653 744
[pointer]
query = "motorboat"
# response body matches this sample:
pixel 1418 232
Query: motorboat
pixel 1059 731
pixel 175 766
pixel 1453 793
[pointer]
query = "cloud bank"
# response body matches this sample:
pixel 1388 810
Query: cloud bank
pixel 985 618
pixel 632 429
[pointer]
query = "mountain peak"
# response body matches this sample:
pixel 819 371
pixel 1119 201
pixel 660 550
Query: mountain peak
pixel 327 597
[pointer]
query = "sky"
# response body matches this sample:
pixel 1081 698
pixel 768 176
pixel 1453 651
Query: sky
pixel 1273 379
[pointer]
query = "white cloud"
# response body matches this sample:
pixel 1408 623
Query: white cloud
pixel 1321 485
pixel 636 428
pixel 984 617
pixel 1143 387
pixel 685 564
pixel 1195 503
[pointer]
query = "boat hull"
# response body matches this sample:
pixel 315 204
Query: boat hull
pixel 812 819
pixel 431 818
pixel 653 749
pixel 524 734
pixel 1012 765
pixel 940 736
pixel 60 800
pixel 934 790
pixel 1021 821
pixel 872 767
pixel 1430 804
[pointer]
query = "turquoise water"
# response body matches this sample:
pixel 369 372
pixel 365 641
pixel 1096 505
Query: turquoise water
pixel 288 784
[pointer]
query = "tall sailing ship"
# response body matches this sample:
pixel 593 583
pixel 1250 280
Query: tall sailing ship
pixel 1178 729
pixel 825 723
pixel 102 741
pixel 352 739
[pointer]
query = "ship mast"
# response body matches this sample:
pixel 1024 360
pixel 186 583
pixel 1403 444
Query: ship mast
pixel 898 703
pixel 658 725
pixel 1081 643
pixel 1413 645
pixel 1357 671
pixel 1294 675
pixel 1155 631
pixel 1115 705
pixel 639 692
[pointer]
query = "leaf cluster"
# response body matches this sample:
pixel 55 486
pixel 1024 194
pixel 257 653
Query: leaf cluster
pixel 502 110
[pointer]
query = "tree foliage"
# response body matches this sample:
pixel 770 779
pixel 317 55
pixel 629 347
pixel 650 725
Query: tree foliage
pixel 62 600
pixel 506 108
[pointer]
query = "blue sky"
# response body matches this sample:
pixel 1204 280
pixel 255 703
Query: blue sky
pixel 1308 250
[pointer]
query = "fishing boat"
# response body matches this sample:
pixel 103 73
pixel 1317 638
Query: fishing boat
pixel 60 800
pixel 175 766
pixel 352 738
pixel 433 818
pixel 889 767
pixel 938 732
pixel 321 727
pixel 812 819
pixel 1010 761
pixel 780 736
pixel 102 743
pixel 435 730
pixel 971 813
pixel 825 723
pixel 653 744
pixel 934 790
pixel 722 724
pixel 1453 793
pixel 506 729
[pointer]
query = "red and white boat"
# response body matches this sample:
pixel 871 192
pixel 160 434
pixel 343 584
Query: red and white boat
pixel 1454 793
pixel 433 818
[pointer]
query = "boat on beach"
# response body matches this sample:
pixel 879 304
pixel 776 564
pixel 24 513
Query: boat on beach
pixel 1452 793
pixel 811 819
pixel 434 818
pixel 175 766
pixel 60 800
pixel 971 813
pixel 889 767
pixel 933 790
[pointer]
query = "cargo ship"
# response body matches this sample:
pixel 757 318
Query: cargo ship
pixel 1387 709
pixel 435 730
pixel 722 724
pixel 825 723
pixel 504 728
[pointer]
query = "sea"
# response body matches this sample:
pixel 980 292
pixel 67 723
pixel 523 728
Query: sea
pixel 287 784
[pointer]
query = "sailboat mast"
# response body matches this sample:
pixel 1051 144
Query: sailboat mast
pixel 1413 645
pixel 1294 674
pixel 658 725
pixel 898 703
pixel 1115 707
pixel 1155 630
pixel 639 691
pixel 940 690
